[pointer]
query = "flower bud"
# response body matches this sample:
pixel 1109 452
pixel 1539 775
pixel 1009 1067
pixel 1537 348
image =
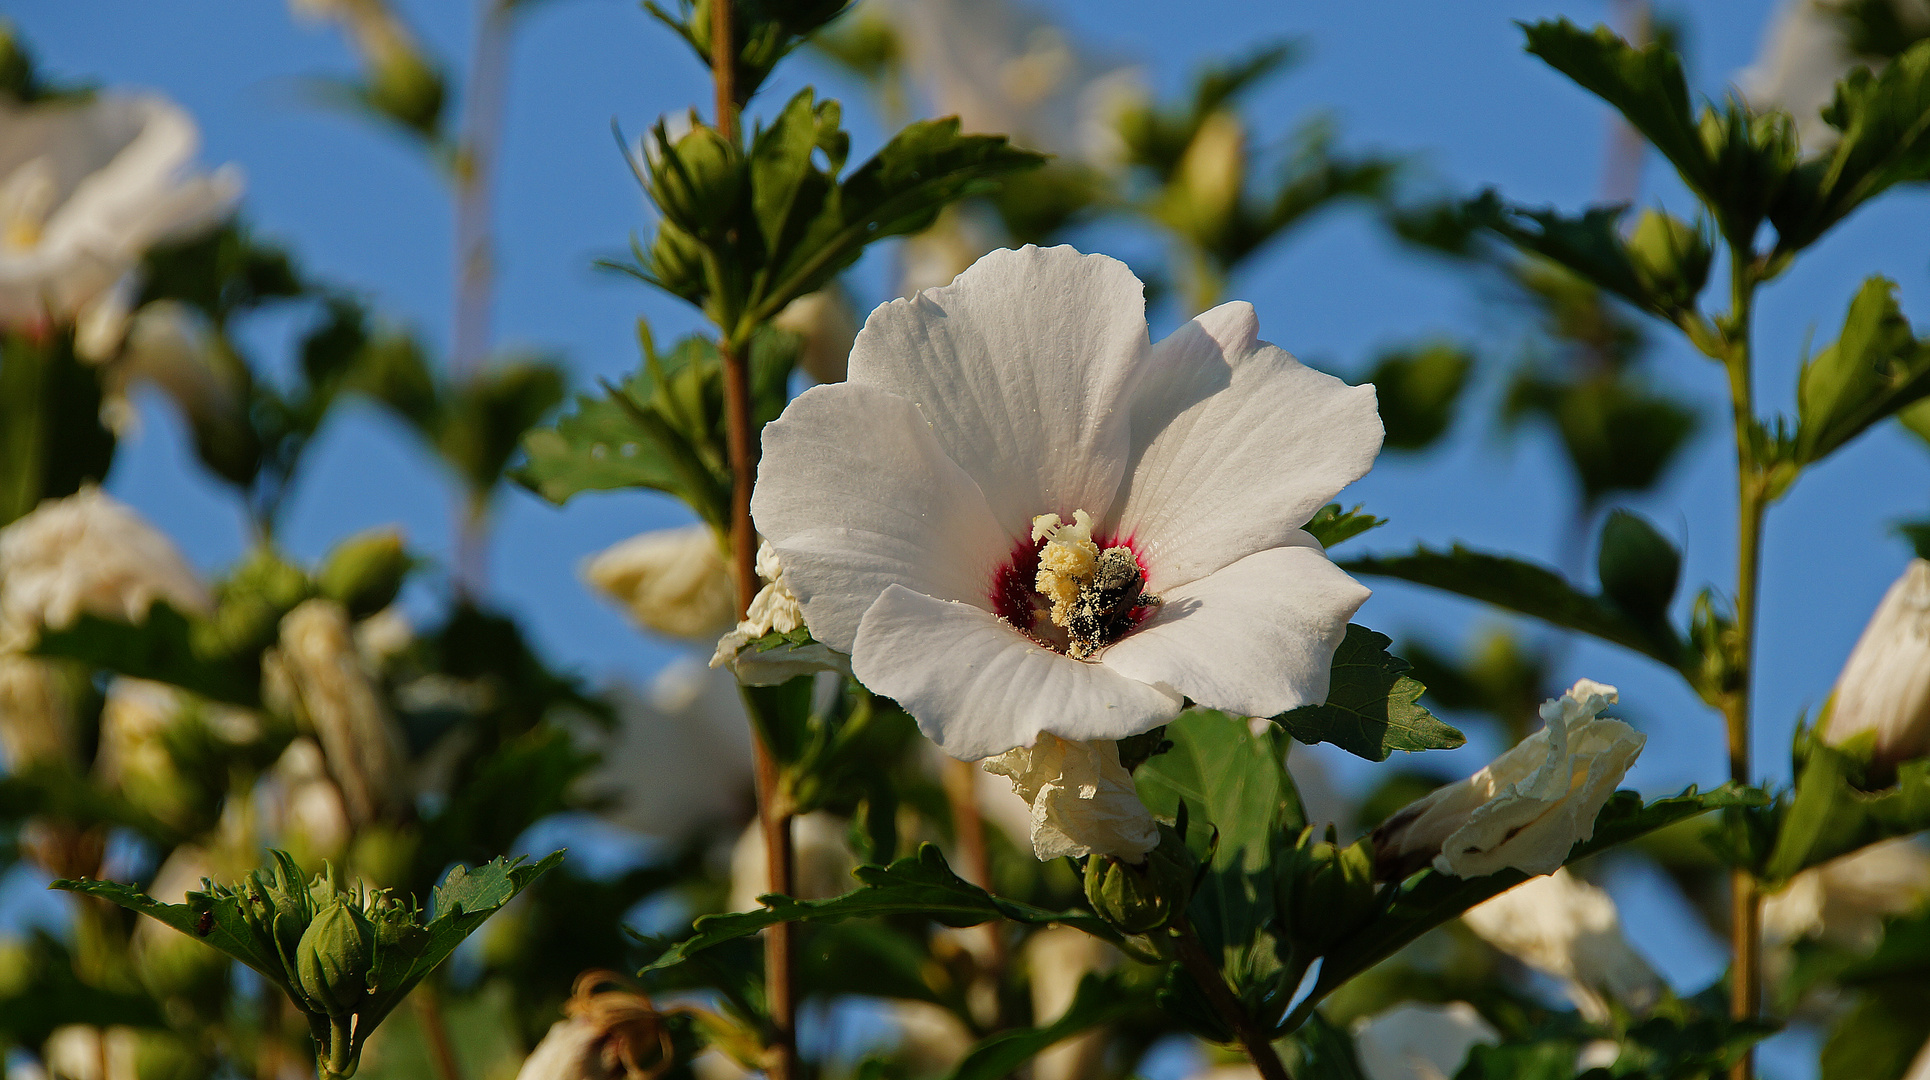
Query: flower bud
pixel 698 181
pixel 1529 807
pixel 1323 891
pixel 678 261
pixel 1212 174
pixel 1670 257
pixel 1639 568
pixel 673 581
pixel 1144 897
pixel 332 961
pixel 333 692
pixel 1883 693
pixel 1083 800
pixel 365 571
pixel 253 600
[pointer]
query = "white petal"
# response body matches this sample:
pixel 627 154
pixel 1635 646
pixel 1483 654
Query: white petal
pixel 1235 445
pixel 1255 638
pixel 855 494
pixel 977 687
pixel 1022 365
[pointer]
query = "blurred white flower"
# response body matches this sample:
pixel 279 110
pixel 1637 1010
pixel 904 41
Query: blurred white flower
pixel 912 503
pixel 932 1040
pixel 606 1034
pixel 1804 53
pixel 86 188
pixel 821 853
pixel 963 233
pixel 1884 690
pixel 383 636
pixel 679 758
pixel 36 713
pixel 300 806
pixel 673 581
pixel 1057 958
pixel 85 1052
pixel 135 723
pixel 169 345
pixel 828 325
pixel 1414 1041
pixel 1529 806
pixel 1844 901
pixel 1565 927
pixel 1083 801
pixel 774 609
pixel 1004 68
pixel 87 553
pixel 317 674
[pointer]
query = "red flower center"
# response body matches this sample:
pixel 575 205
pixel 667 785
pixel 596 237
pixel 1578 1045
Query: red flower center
pixel 1015 597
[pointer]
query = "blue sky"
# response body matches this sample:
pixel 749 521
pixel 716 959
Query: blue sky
pixel 1444 82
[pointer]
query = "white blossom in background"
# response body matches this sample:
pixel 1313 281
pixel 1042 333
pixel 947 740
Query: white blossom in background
pixel 1844 901
pixel 85 1052
pixel 37 722
pixel 828 325
pixel 1567 928
pixel 1804 54
pixel 821 847
pixel 907 506
pixel 931 1039
pixel 673 581
pixel 606 1034
pixel 168 345
pixel 135 722
pixel 679 758
pixel 1415 1041
pixel 88 553
pixel 1057 958
pixel 1884 690
pixel 299 804
pixel 1529 806
pixel 963 233
pixel 1083 801
pixel 317 673
pixel 774 609
pixel 86 188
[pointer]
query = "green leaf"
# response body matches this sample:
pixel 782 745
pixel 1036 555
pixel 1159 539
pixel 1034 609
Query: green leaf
pixel 1880 1036
pixel 1885 123
pixel 1417 389
pixel 1525 588
pixel 1101 999
pixel 51 437
pixel 1589 246
pixel 167 648
pixel 1875 368
pixel 1831 816
pixel 483 425
pixel 1638 567
pixel 1429 898
pixel 920 884
pixel 1230 779
pixel 1331 525
pixel 1645 85
pixel 597 447
pixel 1373 707
pixel 1619 434
pixel 1328 1052
pixel 1551 1059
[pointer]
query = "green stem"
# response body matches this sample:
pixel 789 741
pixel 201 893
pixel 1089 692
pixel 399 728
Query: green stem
pixel 1745 991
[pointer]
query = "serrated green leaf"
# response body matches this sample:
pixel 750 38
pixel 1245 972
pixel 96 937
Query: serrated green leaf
pixel 166 647
pixel 1830 816
pixel 920 884
pixel 1644 84
pixel 1885 123
pixel 1525 588
pixel 1100 999
pixel 1331 525
pixel 1372 708
pixel 1590 246
pixel 1874 369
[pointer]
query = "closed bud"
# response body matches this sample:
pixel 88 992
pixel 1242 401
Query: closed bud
pixel 1883 694
pixel 677 261
pixel 698 182
pixel 1638 566
pixel 332 961
pixel 1144 897
pixel 251 603
pixel 364 572
pixel 1670 257
pixel 1212 175
pixel 1324 891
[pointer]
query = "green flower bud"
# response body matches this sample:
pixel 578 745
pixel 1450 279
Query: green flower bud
pixel 1323 891
pixel 1149 896
pixel 1671 257
pixel 332 962
pixel 250 605
pixel 698 182
pixel 365 571
pixel 678 262
pixel 1638 566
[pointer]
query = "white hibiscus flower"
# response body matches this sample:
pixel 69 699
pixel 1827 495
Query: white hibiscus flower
pixel 1019 515
pixel 86 188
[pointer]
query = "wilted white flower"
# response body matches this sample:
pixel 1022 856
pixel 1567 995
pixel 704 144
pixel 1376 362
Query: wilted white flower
pixel 1415 1041
pixel 673 581
pixel 1083 800
pixel 86 188
pixel 87 553
pixel 607 1034
pixel 36 712
pixel 300 805
pixel 821 852
pixel 828 325
pixel 1057 958
pixel 1844 901
pixel 1804 54
pixel 1529 806
pixel 774 609
pixel 912 506
pixel 316 673
pixel 1563 926
pixel 1884 690
pixel 680 756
